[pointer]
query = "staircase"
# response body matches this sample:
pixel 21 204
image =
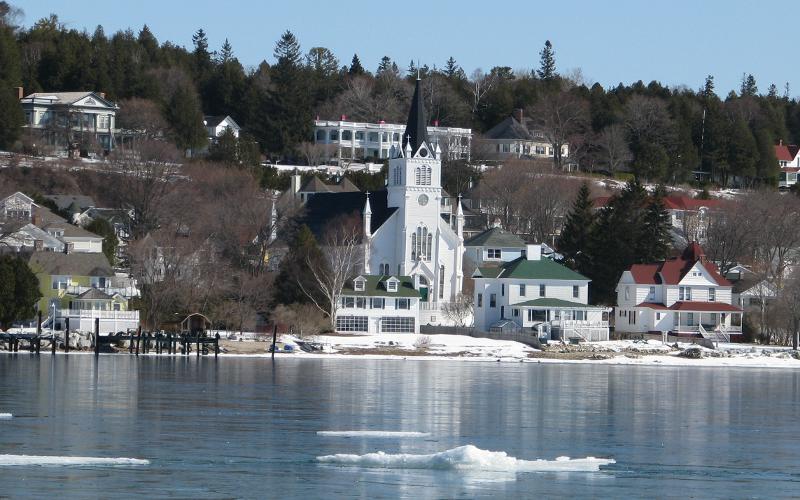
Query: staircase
pixel 719 334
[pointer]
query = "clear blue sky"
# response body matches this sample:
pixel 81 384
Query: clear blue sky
pixel 677 42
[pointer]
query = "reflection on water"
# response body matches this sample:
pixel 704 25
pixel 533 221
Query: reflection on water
pixel 233 426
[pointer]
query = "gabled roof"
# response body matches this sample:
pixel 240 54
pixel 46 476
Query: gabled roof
pixel 672 271
pixel 416 128
pixel 323 208
pixel 509 128
pixel 521 268
pixel 95 294
pixel 67 98
pixel 315 185
pixel 495 237
pixel 44 218
pixel 375 287
pixel 73 264
pixel 785 152
pixel 64 201
pixel 215 120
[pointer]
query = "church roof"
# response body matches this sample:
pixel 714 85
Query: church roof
pixel 416 128
pixel 323 208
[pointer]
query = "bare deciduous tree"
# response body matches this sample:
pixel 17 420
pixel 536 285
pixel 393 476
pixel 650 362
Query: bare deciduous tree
pixel 613 146
pixel 459 311
pixel 561 117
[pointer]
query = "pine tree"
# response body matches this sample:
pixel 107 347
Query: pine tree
pixel 186 119
pixel 356 69
pixel 708 87
pixel 656 239
pixel 201 56
pixel 412 70
pixel 225 53
pixel 287 51
pixel 11 115
pixel 749 87
pixel 225 149
pixel 384 66
pixel 547 62
pixel 453 71
pixel 102 227
pixel 19 291
pixel 577 230
pixel 294 269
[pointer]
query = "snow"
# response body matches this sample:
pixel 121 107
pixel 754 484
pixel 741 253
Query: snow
pixel 466 458
pixel 7 460
pixel 6 416
pixel 373 434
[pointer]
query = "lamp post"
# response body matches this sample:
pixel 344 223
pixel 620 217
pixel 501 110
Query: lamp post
pixel 53 322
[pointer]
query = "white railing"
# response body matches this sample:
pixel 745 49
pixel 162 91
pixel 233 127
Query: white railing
pixel 94 313
pixel 129 291
pixel 431 306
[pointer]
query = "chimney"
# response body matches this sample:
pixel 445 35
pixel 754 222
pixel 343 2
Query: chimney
pixel 102 95
pixel 435 123
pixel 343 118
pixel 20 93
pixel 518 115
pixel 296 180
pixel 38 245
pixel 780 142
pixel 533 252
pixel 68 248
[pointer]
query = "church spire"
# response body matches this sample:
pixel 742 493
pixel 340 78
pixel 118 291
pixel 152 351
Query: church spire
pixel 416 128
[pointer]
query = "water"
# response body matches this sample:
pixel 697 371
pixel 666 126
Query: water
pixel 243 428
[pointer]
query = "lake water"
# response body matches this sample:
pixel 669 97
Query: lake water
pixel 245 428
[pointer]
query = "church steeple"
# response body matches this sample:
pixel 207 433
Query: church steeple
pixel 416 128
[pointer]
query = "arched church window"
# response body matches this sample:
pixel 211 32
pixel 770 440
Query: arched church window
pixel 418 176
pixel 441 282
pixel 421 244
pixel 426 176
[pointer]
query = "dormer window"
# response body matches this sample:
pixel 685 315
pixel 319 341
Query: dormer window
pixel 391 286
pixel 359 284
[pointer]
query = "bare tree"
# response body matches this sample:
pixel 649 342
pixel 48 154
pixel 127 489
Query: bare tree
pixel 728 234
pixel 342 257
pixel 499 192
pixel 142 117
pixel 304 319
pixel 561 117
pixel 482 84
pixel 543 203
pixel 613 146
pixel 787 308
pixel 459 311
pixel 314 153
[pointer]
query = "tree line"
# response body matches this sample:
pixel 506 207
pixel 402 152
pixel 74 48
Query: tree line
pixel 660 133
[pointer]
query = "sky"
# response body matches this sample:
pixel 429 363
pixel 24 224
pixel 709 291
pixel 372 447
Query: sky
pixel 677 42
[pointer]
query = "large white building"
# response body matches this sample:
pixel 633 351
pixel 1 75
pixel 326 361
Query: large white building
pixel 61 119
pixel 404 234
pixel 533 293
pixel 358 141
pixel 685 295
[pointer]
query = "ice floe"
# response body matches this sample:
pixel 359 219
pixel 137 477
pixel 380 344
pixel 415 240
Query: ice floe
pixel 374 434
pixel 61 461
pixel 467 458
pixel 5 416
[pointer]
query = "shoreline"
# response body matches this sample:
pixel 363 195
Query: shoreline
pixel 759 362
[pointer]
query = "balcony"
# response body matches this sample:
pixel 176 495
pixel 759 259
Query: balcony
pixel 127 292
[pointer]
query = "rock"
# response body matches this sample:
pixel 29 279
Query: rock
pixel 599 356
pixel 794 354
pixel 705 343
pixel 692 353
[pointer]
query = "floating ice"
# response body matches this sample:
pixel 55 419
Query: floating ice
pixel 57 461
pixel 374 434
pixel 4 416
pixel 467 458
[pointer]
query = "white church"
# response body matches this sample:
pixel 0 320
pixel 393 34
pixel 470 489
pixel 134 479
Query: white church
pixel 407 244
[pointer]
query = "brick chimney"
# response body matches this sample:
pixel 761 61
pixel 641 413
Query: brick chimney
pixel 20 93
pixel 102 95
pixel 518 115
pixel 38 245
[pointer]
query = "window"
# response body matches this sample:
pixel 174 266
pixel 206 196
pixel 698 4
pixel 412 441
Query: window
pixel 522 290
pixel 383 269
pixel 441 282
pixel 494 253
pixel 117 306
pixel 358 285
pixel 385 137
pixel 690 319
pixel 361 302
pixel 712 294
pixel 402 303
pixel 658 316
pixel 334 135
pixel 421 243
pixel 537 315
pixel 576 291
pixel 391 286
pixel 377 302
pixel 542 290
pixel 396 137
pixel 493 300
pixel 320 135
pixel 352 324
pixel 627 293
pixel 480 300
pixel 359 135
pixel 398 176
pixel 516 313
pixel 423 175
pixel 651 294
pixel 373 137
pixel 60 282
pixel 348 302
pixel 394 324
pixel 97 282
pixel 681 293
pixel 347 135
pixel 688 293
pixel 503 289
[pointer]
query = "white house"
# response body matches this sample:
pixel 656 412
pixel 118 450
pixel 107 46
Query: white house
pixel 359 141
pixel 538 295
pixel 63 118
pixel 216 125
pixel 789 162
pixel 403 232
pixel 518 137
pixel 379 304
pixel 494 245
pixel 684 295
pixel 21 210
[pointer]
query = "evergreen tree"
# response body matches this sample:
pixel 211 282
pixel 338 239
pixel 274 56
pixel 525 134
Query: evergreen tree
pixel 100 62
pixel 356 69
pixel 575 235
pixel 453 71
pixel 102 227
pixel 225 53
pixel 412 70
pixel 287 51
pixel 11 116
pixel 225 149
pixel 749 87
pixel 384 66
pixel 186 120
pixel 708 87
pixel 201 56
pixel 547 62
pixel 656 240
pixel 289 104
pixel 148 42
pixel 19 291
